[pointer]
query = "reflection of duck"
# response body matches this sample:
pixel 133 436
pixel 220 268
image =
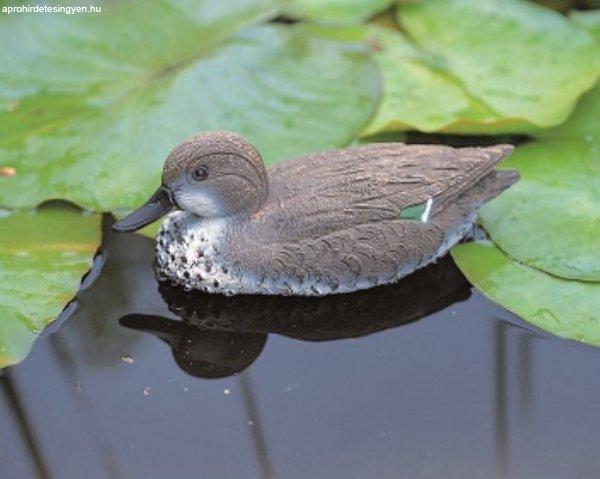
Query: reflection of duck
pixel 221 335
pixel 200 352
pixel 331 222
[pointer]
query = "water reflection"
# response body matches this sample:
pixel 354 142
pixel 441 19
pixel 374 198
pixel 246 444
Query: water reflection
pixel 513 399
pixel 461 393
pixel 501 401
pixel 218 336
pixel 202 353
pixel 9 391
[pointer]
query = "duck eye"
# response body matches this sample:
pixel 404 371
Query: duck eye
pixel 200 173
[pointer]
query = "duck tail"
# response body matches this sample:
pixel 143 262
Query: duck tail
pixel 499 152
pixel 497 181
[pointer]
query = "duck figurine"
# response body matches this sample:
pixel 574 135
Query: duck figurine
pixel 330 222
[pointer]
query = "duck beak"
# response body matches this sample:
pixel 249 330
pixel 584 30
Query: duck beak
pixel 159 204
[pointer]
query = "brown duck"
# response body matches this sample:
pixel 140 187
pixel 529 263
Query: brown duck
pixel 330 222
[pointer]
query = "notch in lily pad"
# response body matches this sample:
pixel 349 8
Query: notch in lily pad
pixel 418 212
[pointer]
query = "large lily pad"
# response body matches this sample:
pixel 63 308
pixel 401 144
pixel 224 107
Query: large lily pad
pixel 43 256
pixel 551 221
pixel 91 104
pixel 416 94
pixel 570 309
pixel 584 123
pixel 528 64
pixel 551 218
pixel 336 11
pixel 589 20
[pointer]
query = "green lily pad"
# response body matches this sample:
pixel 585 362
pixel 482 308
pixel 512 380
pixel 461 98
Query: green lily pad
pixel 551 218
pixel 416 94
pixel 336 11
pixel 570 309
pixel 590 20
pixel 90 106
pixel 43 256
pixel 584 123
pixel 526 63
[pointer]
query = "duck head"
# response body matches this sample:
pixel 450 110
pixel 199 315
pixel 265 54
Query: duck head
pixel 214 174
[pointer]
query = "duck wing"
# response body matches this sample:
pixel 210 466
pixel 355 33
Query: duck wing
pixel 335 221
pixel 315 195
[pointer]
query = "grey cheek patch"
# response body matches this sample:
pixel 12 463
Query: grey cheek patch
pixel 201 203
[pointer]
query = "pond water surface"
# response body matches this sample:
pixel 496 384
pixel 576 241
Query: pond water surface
pixel 424 379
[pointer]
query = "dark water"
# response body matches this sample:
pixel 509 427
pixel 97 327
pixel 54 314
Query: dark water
pixel 425 379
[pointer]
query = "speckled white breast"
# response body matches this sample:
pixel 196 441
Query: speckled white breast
pixel 187 253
